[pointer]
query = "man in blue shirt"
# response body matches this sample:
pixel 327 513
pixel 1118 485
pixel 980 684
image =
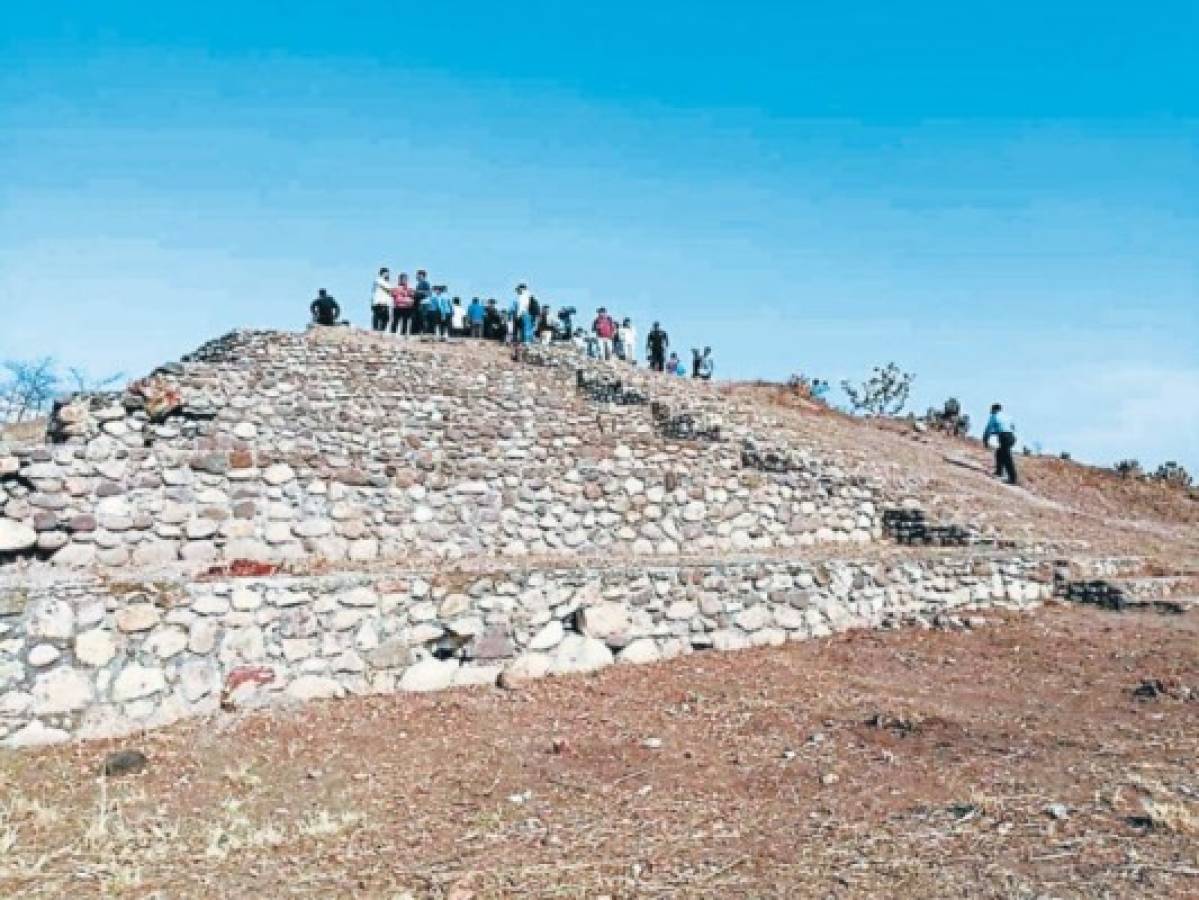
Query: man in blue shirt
pixel 421 292
pixel 443 310
pixel 1004 429
pixel 475 314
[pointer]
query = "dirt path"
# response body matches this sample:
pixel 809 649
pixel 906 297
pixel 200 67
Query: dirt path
pixel 912 764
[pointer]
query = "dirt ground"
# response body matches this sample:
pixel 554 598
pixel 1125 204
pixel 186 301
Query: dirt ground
pixel 1010 760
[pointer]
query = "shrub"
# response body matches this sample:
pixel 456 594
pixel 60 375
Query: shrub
pixel 885 393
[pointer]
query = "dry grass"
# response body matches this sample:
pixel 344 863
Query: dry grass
pixel 910 764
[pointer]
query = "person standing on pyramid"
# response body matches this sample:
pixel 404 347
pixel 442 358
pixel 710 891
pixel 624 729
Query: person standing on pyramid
pixel 401 313
pixel 458 319
pixel 381 300
pixel 1004 429
pixel 420 295
pixel 604 327
pixel 476 314
pixel 655 346
pixel 440 311
pixel 628 339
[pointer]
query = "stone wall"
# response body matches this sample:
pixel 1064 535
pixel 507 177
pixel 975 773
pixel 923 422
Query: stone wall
pixel 346 447
pixel 89 656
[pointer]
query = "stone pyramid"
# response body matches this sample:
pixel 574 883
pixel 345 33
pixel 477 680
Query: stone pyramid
pixel 291 516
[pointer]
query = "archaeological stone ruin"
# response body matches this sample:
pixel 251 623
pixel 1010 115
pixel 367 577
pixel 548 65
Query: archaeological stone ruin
pixel 281 517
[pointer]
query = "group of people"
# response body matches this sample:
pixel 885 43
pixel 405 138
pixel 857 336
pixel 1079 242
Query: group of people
pixel 418 307
pixel 608 340
pixel 422 308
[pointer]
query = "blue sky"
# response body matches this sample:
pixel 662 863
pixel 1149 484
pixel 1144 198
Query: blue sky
pixel 1002 198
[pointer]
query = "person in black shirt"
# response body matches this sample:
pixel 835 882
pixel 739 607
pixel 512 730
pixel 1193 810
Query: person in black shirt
pixel 325 310
pixel 493 322
pixel 656 343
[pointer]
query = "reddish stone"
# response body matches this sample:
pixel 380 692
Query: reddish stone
pixel 243 568
pixel 240 675
pixel 241 459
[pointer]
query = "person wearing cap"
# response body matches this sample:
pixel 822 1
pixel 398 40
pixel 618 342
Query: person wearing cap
pixel 1001 426
pixel 604 328
pixel 655 345
pixel 381 300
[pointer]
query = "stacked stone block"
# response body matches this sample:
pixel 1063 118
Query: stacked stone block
pixel 91 657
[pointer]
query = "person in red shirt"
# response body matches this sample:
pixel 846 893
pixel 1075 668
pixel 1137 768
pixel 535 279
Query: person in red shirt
pixel 402 303
pixel 604 327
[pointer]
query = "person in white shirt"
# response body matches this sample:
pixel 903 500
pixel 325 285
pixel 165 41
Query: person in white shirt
pixel 628 340
pixel 381 300
pixel 457 318
pixel 522 299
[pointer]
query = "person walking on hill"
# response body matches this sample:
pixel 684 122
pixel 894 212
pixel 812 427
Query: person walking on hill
pixel 655 346
pixel 1001 426
pixel 325 310
pixel 381 300
pixel 401 310
pixel 604 327
pixel 704 367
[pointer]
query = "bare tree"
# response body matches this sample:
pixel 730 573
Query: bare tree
pixel 82 383
pixel 31 386
pixel 29 389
